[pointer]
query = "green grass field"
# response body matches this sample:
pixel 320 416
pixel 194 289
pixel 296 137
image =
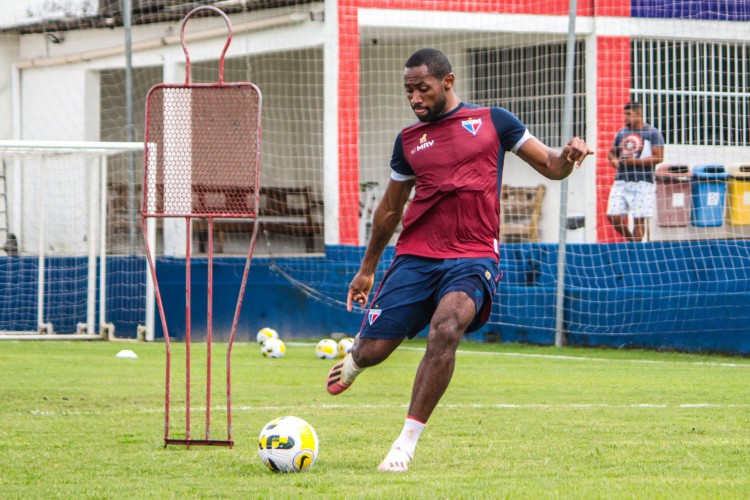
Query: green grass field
pixel 516 422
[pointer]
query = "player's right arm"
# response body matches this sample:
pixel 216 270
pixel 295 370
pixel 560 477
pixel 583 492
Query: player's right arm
pixel 614 156
pixel 384 223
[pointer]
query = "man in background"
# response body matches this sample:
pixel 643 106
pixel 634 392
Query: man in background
pixel 638 147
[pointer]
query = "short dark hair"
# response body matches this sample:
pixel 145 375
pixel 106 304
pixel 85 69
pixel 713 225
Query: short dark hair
pixel 635 106
pixel 437 63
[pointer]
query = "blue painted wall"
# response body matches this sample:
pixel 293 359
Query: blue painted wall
pixel 722 10
pixel 692 296
pixel 66 293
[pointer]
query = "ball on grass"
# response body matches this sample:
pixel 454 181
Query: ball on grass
pixel 326 349
pixel 265 334
pixel 288 444
pixel 344 346
pixel 273 348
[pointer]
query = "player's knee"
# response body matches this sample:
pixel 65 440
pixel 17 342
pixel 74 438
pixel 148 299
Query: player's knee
pixel 444 339
pixel 358 356
pixel 448 329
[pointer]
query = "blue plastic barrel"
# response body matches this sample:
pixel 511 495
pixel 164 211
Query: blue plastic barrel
pixel 709 189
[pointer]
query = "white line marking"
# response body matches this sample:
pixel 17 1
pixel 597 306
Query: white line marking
pixel 498 406
pixel 46 413
pixel 568 358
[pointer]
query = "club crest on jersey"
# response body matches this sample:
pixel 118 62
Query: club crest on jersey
pixel 372 315
pixel 472 125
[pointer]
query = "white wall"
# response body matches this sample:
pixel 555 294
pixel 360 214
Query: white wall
pixel 59 103
pixel 8 50
pixel 51 205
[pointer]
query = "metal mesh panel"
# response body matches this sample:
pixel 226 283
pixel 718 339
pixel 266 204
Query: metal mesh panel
pixel 202 144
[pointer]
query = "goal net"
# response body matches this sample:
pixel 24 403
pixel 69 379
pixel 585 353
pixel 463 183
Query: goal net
pixel 60 222
pixel 331 76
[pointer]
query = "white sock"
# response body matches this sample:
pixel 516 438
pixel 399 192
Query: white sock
pixel 409 436
pixel 350 370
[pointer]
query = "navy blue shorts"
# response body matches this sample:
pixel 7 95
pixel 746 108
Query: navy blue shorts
pixel 413 286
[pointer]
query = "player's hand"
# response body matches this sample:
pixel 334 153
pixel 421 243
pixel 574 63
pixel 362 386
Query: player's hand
pixel 576 151
pixel 359 289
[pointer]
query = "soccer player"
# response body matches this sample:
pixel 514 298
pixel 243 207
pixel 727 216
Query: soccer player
pixel 446 267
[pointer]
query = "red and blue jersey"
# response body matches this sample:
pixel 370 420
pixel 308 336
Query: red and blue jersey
pixel 457 164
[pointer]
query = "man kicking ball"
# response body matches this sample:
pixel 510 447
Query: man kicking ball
pixel 446 268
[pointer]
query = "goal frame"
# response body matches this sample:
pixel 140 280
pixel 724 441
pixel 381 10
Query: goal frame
pixel 96 292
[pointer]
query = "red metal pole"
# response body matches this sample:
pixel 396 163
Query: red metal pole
pixel 160 305
pixel 210 322
pixel 187 328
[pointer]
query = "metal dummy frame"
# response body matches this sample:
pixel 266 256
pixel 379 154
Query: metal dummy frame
pixel 170 193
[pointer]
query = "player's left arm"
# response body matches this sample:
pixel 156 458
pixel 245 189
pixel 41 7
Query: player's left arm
pixel 551 163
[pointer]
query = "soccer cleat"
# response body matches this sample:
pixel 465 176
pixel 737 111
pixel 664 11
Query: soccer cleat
pixel 342 375
pixel 397 460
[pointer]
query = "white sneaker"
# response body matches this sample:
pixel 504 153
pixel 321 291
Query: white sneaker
pixel 397 460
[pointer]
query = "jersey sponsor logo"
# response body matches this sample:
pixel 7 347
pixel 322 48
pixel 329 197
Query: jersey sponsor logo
pixel 487 274
pixel 372 315
pixel 423 144
pixel 472 125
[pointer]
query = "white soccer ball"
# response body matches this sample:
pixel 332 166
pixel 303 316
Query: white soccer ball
pixel 288 444
pixel 273 348
pixel 344 346
pixel 326 349
pixel 265 334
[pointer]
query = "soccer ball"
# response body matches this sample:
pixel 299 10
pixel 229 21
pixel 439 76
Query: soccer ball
pixel 326 349
pixel 288 444
pixel 344 346
pixel 273 348
pixel 265 334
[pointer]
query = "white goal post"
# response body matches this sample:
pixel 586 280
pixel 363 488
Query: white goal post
pixel 55 226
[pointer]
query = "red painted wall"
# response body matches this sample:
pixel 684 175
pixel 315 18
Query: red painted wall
pixel 612 93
